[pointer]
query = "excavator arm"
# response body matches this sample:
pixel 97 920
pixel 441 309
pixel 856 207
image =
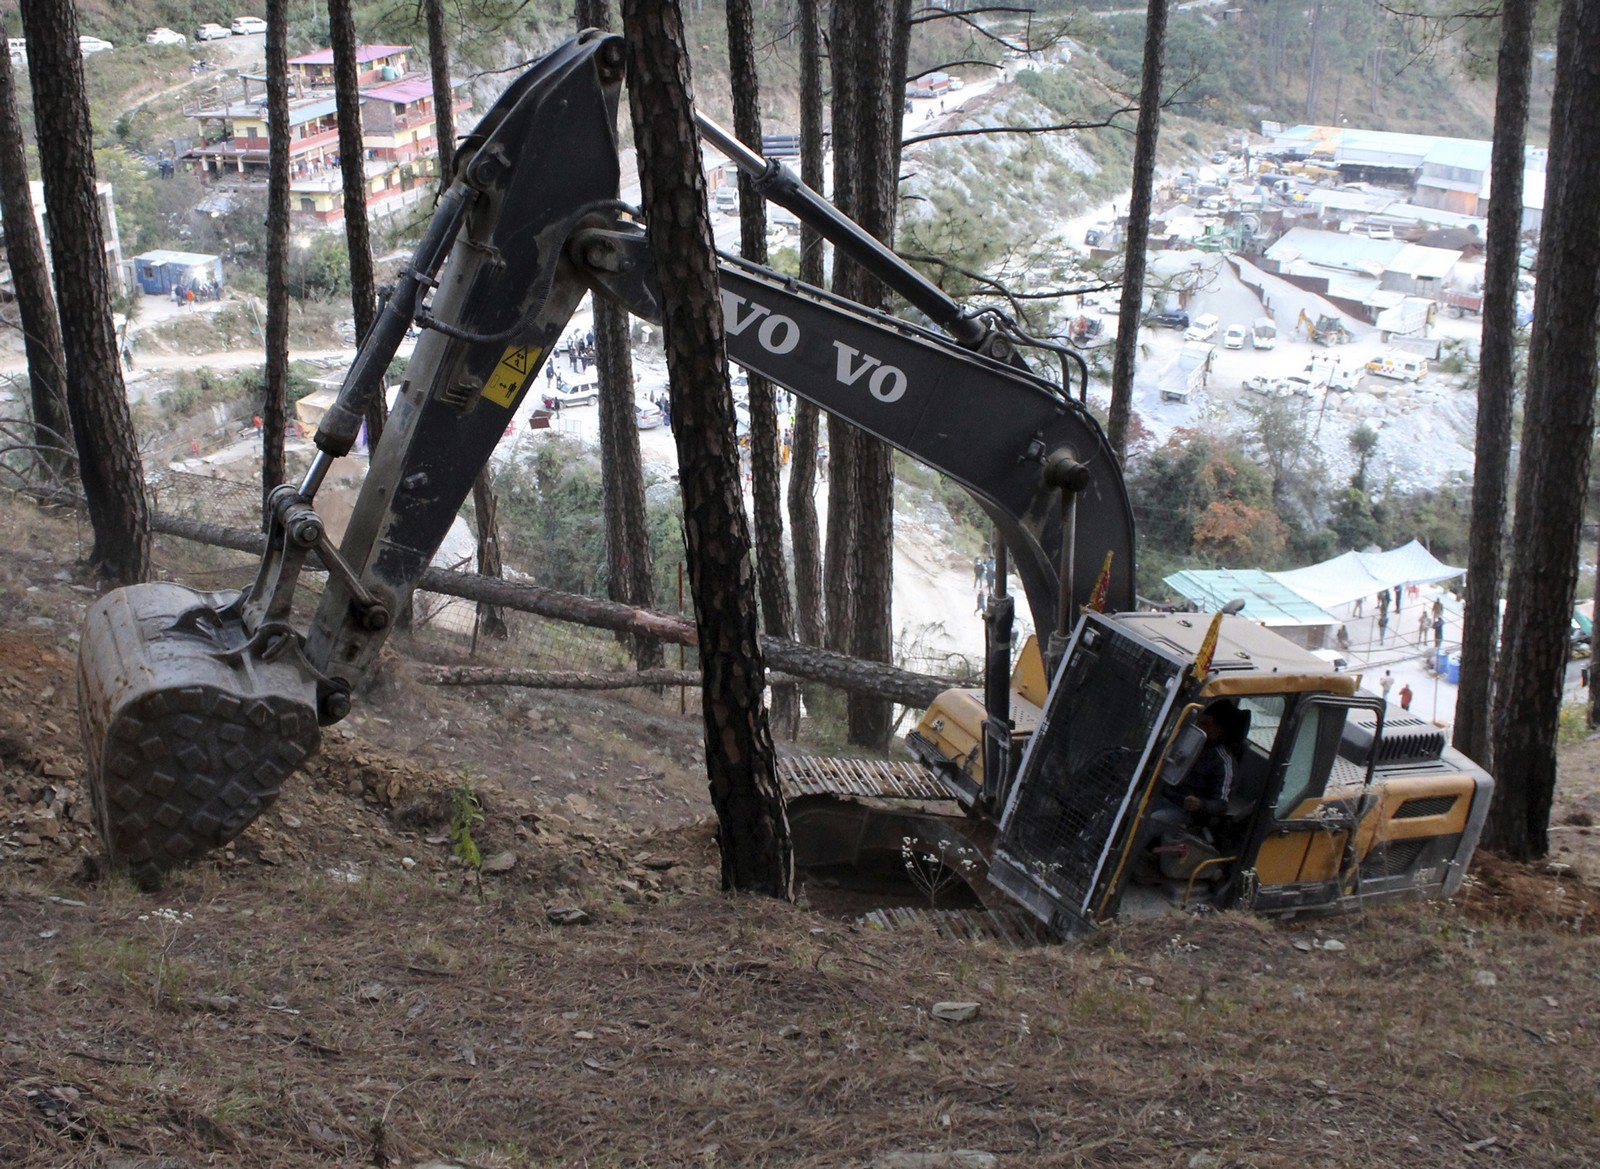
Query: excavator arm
pixel 197 706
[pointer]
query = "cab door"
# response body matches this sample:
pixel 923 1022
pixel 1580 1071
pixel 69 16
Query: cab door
pixel 1068 819
pixel 1302 838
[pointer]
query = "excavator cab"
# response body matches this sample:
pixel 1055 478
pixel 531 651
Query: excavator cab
pixel 1324 808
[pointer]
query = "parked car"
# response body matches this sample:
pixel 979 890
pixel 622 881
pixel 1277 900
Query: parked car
pixel 17 50
pixel 244 26
pixel 164 36
pixel 564 395
pixel 727 200
pixel 1203 328
pixel 210 31
pixel 646 415
pixel 1271 387
pixel 91 45
pixel 1233 337
pixel 1167 319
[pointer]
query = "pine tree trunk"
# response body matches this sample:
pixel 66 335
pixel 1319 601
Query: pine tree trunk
pixel 444 110
pixel 868 55
pixel 871 718
pixel 1557 430
pixel 630 563
pixel 353 169
pixel 630 575
pixel 753 830
pixel 486 519
pixel 1146 136
pixel 772 574
pixel 1314 64
pixel 1496 385
pixel 849 29
pixel 108 454
pixel 30 280
pixel 804 534
pixel 275 403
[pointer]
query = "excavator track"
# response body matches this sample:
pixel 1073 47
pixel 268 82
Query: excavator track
pixel 1010 927
pixel 819 775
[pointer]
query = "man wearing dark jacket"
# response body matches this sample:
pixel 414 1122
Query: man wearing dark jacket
pixel 1203 794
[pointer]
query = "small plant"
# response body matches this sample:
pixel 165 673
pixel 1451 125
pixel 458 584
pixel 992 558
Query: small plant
pixel 466 814
pixel 935 869
pixel 167 924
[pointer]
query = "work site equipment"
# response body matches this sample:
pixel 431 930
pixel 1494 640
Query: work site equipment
pixel 197 706
pixel 1327 329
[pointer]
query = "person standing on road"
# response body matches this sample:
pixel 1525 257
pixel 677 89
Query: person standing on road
pixel 1386 683
pixel 1397 591
pixel 1405 696
pixel 1422 628
pixel 1438 633
pixel 1383 626
pixel 1358 607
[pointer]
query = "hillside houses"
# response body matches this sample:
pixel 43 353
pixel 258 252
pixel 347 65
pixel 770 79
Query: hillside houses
pixel 399 135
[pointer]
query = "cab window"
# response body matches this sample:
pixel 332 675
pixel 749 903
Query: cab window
pixel 1310 757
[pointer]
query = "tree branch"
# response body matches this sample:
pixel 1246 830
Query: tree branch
pixel 1107 124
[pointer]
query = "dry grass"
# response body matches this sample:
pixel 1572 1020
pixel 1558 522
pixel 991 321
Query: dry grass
pixel 327 1002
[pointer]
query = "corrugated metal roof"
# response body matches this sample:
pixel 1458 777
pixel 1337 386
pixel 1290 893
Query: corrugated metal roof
pixel 403 92
pixel 1466 153
pixel 1266 600
pixel 364 54
pixel 1334 249
pixel 1429 263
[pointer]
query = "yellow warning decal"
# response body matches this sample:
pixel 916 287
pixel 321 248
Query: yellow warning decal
pixel 517 364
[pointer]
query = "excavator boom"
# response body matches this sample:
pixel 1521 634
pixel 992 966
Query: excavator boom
pixel 530 224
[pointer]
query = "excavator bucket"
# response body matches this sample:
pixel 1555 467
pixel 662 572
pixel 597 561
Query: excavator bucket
pixel 190 725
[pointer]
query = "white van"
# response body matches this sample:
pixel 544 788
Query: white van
pixel 1402 367
pixel 1202 328
pixel 727 200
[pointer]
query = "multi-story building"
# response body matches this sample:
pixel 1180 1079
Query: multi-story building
pixel 108 231
pixel 398 130
pixel 374 64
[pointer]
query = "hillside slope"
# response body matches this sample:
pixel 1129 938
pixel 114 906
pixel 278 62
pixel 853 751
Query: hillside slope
pixel 338 989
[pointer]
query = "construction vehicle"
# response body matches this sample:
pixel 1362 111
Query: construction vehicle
pixel 1327 329
pixel 197 706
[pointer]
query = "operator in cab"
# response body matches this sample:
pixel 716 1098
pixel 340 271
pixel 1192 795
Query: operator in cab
pixel 1202 796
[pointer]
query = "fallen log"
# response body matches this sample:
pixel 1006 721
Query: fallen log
pixel 553 679
pixel 801 661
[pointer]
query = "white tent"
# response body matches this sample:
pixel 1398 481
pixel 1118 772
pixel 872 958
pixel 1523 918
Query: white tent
pixel 1361 574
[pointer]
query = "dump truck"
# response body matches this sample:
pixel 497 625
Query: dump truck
pixel 197 706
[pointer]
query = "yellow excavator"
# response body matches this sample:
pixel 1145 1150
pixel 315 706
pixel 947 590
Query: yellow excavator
pixel 1327 329
pixel 1057 775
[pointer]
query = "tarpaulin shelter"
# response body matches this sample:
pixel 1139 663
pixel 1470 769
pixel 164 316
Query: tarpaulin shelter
pixel 1266 601
pixel 1361 574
